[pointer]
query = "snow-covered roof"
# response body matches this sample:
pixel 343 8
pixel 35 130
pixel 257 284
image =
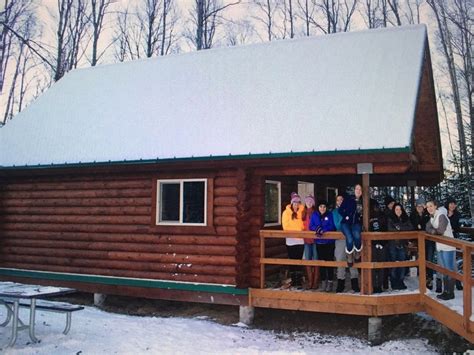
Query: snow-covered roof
pixel 344 91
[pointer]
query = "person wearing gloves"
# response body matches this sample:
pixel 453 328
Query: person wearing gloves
pixel 310 252
pixel 439 225
pixel 322 222
pixel 292 220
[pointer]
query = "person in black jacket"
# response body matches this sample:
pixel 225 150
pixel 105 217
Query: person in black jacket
pixel 453 215
pixel 418 219
pixel 377 223
pixel 351 224
pixel 398 222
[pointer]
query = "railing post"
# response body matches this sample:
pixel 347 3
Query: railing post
pixel 422 264
pixel 262 265
pixel 366 274
pixel 467 289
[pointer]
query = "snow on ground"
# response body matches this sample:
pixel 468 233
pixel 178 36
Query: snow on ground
pixel 97 332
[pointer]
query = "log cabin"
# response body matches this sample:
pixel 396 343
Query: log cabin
pixel 154 178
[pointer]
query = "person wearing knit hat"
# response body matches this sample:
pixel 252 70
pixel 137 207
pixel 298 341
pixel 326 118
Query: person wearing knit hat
pixel 420 201
pixel 292 220
pixel 295 198
pixel 322 222
pixel 310 252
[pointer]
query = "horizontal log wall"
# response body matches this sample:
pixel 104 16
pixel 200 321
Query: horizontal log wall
pixel 273 248
pixel 102 224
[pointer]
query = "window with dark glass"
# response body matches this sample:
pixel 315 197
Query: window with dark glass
pixel 181 201
pixel 272 202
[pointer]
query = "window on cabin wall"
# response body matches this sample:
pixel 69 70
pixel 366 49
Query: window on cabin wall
pixel 272 203
pixel 331 194
pixel 181 202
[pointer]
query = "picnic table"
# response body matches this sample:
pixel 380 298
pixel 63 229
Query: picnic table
pixel 15 295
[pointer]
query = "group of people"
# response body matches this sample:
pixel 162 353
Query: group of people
pixel 309 215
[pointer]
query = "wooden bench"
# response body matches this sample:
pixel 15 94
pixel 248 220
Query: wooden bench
pixel 51 306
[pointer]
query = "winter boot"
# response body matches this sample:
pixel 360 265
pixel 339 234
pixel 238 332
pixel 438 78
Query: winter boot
pixel 439 288
pixel 357 255
pixel 298 279
pixel 322 287
pixel 340 285
pixel 459 285
pixel 448 293
pixel 355 285
pixel 350 257
pixel 329 286
pixel 429 284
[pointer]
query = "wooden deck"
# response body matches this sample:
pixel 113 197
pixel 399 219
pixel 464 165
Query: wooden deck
pixel 366 303
pixel 340 303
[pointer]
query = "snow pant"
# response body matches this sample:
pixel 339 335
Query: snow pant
pixel 296 272
pixel 353 236
pixel 430 248
pixel 447 259
pixel 340 255
pixel 326 252
pixel 396 252
pixel 379 254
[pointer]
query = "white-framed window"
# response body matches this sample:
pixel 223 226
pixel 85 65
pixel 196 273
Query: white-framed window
pixel 272 203
pixel 181 202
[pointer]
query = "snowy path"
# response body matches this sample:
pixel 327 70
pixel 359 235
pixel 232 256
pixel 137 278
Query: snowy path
pixel 98 332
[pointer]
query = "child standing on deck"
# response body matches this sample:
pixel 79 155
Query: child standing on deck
pixel 322 222
pixel 439 225
pixel 292 220
pixel 310 252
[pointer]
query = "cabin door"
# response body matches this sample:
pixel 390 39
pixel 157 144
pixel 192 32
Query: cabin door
pixel 305 189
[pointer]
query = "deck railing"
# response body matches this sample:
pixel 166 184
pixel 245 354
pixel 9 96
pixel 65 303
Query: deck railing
pixel 459 323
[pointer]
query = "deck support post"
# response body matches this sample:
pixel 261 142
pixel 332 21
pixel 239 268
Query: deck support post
pixel 246 314
pixel 375 331
pixel 99 299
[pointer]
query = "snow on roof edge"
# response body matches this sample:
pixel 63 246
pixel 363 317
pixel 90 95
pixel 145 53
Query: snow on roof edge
pixel 269 155
pixel 322 37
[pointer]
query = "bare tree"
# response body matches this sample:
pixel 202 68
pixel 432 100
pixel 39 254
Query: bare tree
pixel 447 41
pixel 337 14
pixel 413 10
pixel 17 27
pixel 206 16
pixel 238 33
pixel 267 12
pixel 98 13
pixel 369 12
pixel 307 9
pixel 395 7
pixel 76 32
pixel 64 19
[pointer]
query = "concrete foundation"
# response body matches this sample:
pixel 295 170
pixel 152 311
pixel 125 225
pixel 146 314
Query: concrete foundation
pixel 246 314
pixel 99 299
pixel 375 331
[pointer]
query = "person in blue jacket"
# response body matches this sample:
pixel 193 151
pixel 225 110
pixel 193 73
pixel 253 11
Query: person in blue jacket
pixel 321 222
pixel 351 224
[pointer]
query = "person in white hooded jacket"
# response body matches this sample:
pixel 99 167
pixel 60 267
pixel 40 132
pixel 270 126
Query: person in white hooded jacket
pixel 439 225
